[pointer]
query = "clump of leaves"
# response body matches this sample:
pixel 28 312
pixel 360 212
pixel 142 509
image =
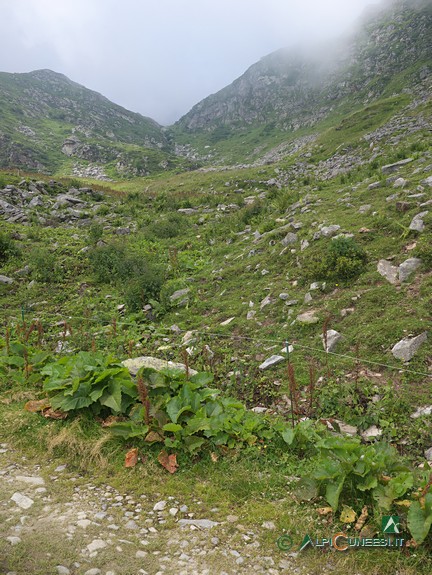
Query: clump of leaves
pixel 187 414
pixel 8 247
pixel 89 380
pixel 345 465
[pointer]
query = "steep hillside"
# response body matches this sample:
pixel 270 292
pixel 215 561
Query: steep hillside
pixel 295 92
pixel 49 123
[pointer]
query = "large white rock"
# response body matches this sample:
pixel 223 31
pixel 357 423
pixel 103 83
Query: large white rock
pixel 136 363
pixel 406 348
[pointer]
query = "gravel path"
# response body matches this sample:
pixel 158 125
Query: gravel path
pixel 54 522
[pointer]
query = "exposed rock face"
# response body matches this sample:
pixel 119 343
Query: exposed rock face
pixel 283 86
pixel 407 347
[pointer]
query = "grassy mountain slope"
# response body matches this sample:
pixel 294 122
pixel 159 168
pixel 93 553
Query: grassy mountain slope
pixel 49 123
pixel 291 93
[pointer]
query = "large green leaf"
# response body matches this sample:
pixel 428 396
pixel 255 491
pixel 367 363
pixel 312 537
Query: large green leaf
pixel 128 429
pixel 112 397
pixel 203 379
pixel 333 491
pixel 420 519
pixel 288 435
pixel 173 427
pixel 175 408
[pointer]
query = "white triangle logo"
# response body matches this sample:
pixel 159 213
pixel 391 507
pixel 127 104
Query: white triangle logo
pixel 391 526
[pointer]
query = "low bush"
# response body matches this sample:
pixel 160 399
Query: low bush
pixel 8 248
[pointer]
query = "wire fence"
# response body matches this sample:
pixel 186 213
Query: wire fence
pixel 161 331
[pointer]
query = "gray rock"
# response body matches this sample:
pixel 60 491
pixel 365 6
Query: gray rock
pixel 388 271
pixel 13 540
pixel 307 298
pixel 371 433
pixel 266 301
pixel 408 267
pixel 345 428
pixel 122 231
pixel 417 224
pixel 251 314
pixel 428 454
pixel 308 317
pixel 96 545
pixel 160 506
pixel 303 245
pixel 327 232
pixel 400 183
pixel 390 168
pixel 289 239
pixel 428 181
pixel 181 293
pixel 407 347
pixel 22 501
pixel 187 211
pixel 365 209
pixel 273 360
pixel 283 296
pixel 420 411
pixel 35 202
pixel 333 338
pixel 374 185
pixel 93 571
pixel 201 523
pixel 36 481
pixel 134 364
pixel 61 570
pixel 6 280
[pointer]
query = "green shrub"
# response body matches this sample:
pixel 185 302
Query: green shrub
pixel 45 266
pixel 423 250
pixel 170 227
pixel 339 260
pixel 95 233
pixel 8 248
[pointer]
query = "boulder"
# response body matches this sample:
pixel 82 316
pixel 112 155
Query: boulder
pixel 333 338
pixel 289 239
pixel 388 271
pixel 407 347
pixel 417 224
pixel 408 267
pixel 134 364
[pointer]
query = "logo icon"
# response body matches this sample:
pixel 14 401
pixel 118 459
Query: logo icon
pixel 285 542
pixel 390 524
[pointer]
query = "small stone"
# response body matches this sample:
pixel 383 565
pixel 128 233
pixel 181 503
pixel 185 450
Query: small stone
pixel 6 280
pixel 95 545
pixel 184 509
pixel 417 223
pixel 308 317
pixel 428 454
pixel 141 554
pixel 269 525
pixel 273 360
pixel 400 183
pixel 173 511
pixel 407 347
pixel 250 314
pixel 333 338
pixel 307 298
pixel 227 321
pixel 61 570
pixel 60 468
pixel 283 296
pixel 22 500
pixel 93 571
pixel 13 540
pixel 131 524
pixel 421 411
pixel 30 480
pixel 201 523
pixel 371 433
pixel 266 301
pixel 160 506
pixel 83 523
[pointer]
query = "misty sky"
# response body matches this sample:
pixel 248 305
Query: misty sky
pixel 160 57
